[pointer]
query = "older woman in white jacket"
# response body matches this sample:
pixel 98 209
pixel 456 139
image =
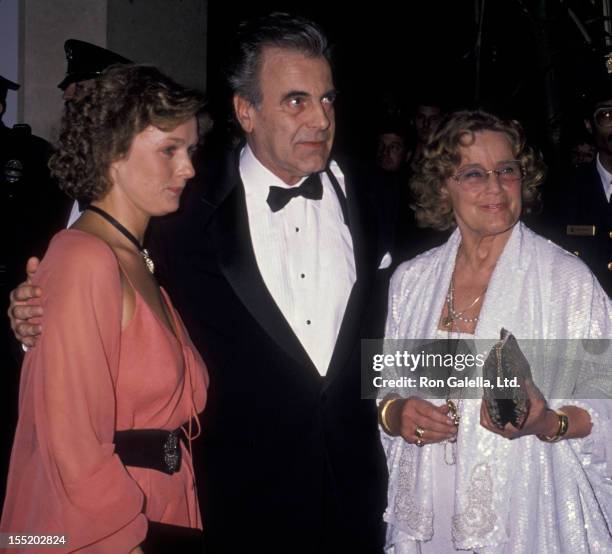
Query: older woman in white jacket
pixel 467 486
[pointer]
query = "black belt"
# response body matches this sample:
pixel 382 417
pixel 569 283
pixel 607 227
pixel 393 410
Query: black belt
pixel 164 539
pixel 150 448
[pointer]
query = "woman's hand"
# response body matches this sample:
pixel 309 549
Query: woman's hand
pixel 540 420
pixel 413 416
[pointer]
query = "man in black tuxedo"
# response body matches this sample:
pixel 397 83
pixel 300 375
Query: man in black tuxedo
pixel 273 275
pixel 271 265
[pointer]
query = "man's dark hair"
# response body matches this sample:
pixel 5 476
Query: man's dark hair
pixel 279 30
pixel 394 126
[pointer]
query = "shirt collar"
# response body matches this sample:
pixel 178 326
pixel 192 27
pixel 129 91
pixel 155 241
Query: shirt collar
pixel 606 178
pixel 257 178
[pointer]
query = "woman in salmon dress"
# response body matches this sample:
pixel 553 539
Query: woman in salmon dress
pixel 114 358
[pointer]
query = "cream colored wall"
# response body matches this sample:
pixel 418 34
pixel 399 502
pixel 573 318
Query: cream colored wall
pixel 44 26
pixel 167 33
pixel 9 54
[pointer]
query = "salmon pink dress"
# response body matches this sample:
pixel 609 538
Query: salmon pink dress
pixel 85 379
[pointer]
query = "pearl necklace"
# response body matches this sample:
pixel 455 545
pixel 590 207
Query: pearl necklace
pixel 455 406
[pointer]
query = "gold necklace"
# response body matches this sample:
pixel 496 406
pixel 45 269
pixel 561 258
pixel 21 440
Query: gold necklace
pixel 451 314
pixel 456 418
pixel 454 408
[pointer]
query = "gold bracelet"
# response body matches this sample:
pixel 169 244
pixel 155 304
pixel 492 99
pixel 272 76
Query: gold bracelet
pixel 383 414
pixel 561 430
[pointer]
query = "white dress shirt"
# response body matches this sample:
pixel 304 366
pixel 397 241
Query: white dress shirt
pixel 606 178
pixel 75 213
pixel 304 253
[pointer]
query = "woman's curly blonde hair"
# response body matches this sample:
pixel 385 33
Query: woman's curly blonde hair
pixel 442 158
pixel 101 121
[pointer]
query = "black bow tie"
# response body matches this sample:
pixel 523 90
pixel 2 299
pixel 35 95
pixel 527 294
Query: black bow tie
pixel 311 188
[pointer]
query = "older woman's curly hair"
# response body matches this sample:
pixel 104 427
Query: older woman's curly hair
pixel 101 121
pixel 442 158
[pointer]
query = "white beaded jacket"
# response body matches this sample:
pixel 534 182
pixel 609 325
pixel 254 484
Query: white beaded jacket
pixel 524 495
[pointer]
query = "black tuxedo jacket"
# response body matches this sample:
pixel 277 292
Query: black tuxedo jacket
pixel 289 461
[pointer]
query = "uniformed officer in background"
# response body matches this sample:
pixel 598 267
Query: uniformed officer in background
pixel 587 204
pixel 31 205
pixel 32 210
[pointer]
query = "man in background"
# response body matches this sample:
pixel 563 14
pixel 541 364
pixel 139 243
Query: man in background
pixel 32 208
pixel 586 205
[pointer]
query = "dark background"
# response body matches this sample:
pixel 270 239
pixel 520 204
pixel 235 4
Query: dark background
pixel 534 61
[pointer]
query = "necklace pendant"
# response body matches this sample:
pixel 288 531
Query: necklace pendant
pixel 448 321
pixel 148 261
pixel 454 413
pixel 450 460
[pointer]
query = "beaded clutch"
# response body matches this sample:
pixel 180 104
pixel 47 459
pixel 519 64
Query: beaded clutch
pixel 506 368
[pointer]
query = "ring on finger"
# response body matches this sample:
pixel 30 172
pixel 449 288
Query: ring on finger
pixel 419 432
pixel 419 443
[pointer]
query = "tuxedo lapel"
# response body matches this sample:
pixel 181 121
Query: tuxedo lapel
pixel 238 264
pixel 364 253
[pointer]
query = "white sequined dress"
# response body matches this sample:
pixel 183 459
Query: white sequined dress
pixel 521 496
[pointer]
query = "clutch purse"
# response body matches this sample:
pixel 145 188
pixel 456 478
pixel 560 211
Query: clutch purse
pixel 506 368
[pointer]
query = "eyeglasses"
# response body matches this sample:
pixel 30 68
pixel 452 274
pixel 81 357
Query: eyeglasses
pixel 603 116
pixel 475 178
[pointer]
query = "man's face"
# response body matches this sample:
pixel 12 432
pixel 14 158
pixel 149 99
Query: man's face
pixel 601 126
pixel 425 120
pixel 73 88
pixel 391 152
pixel 291 132
pixel 582 153
pixel 69 92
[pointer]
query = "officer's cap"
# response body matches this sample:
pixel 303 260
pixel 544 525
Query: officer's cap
pixel 6 84
pixel 595 80
pixel 87 61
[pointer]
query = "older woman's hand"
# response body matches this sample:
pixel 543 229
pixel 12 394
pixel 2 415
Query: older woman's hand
pixel 540 420
pixel 413 416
